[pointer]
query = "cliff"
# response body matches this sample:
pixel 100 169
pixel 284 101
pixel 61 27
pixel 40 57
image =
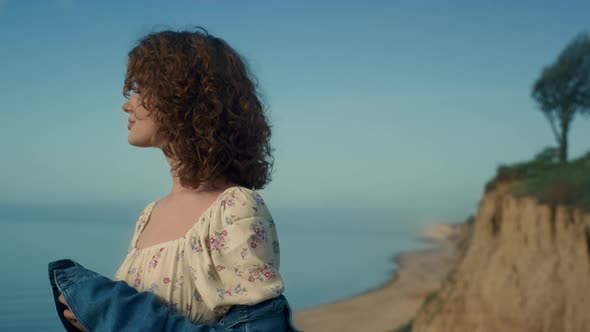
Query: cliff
pixel 526 268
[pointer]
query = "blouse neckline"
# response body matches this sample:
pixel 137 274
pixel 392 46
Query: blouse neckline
pixel 170 242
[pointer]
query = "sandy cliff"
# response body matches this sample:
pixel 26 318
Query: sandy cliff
pixel 527 268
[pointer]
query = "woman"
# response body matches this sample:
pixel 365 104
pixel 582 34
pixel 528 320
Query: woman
pixel 211 243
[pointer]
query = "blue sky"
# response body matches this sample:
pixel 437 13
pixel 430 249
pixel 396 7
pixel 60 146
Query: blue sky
pixel 394 105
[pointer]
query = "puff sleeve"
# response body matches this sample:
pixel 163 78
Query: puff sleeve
pixel 241 265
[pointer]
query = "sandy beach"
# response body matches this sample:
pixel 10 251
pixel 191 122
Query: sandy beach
pixel 394 303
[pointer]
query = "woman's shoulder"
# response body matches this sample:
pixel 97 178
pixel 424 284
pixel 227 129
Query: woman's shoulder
pixel 242 202
pixel 234 204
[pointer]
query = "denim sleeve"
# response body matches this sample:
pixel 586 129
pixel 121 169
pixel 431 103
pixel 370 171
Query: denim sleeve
pixel 101 304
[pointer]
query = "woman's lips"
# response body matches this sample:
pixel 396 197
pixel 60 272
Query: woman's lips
pixel 130 125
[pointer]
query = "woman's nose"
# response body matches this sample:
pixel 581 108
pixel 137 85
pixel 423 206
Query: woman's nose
pixel 126 106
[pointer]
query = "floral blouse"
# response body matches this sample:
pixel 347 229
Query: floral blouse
pixel 229 256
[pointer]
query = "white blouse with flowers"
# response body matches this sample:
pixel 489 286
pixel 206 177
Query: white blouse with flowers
pixel 229 256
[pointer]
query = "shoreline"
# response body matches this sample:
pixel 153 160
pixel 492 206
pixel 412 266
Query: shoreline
pixel 393 303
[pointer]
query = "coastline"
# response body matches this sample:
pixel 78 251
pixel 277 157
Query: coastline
pixel 396 301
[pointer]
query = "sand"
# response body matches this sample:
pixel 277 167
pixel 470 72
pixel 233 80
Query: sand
pixel 394 303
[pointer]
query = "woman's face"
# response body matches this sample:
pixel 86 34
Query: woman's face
pixel 142 128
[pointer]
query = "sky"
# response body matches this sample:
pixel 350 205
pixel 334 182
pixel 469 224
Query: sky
pixel 390 105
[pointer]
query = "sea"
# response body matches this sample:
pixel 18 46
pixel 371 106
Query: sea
pixel 326 253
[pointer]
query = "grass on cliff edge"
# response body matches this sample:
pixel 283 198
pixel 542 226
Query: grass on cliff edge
pixel 549 181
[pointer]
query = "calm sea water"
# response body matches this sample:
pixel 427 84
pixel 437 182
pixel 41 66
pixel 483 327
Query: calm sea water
pixel 325 254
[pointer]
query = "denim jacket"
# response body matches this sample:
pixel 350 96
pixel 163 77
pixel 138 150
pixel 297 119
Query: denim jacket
pixel 101 304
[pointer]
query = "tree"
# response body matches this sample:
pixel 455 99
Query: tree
pixel 563 89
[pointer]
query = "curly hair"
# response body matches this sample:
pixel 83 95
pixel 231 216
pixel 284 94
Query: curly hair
pixel 202 95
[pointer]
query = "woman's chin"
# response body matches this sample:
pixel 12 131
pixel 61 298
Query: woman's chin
pixel 139 144
pixel 133 142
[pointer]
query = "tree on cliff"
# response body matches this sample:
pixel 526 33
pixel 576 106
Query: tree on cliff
pixel 563 89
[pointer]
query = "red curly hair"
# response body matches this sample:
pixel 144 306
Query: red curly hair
pixel 206 104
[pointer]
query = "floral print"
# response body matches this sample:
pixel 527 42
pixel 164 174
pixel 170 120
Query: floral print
pixel 217 242
pixel 195 244
pixel 179 255
pixel 230 256
pixel 154 287
pixel 137 280
pixel 259 200
pixel 154 261
pixel 235 291
pixel 174 282
pixel 230 220
pixel 197 296
pixel 271 223
pixel 244 253
pixel 260 273
pixel 276 248
pixel 258 236
pixel 211 272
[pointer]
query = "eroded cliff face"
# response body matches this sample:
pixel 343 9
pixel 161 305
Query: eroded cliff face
pixel 527 268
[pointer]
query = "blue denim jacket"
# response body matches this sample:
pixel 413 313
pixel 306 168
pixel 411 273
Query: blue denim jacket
pixel 101 304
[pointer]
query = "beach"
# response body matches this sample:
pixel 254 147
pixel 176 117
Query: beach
pixel 391 305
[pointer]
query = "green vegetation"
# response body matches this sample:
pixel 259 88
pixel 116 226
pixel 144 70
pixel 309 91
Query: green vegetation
pixel 431 296
pixel 551 182
pixel 407 327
